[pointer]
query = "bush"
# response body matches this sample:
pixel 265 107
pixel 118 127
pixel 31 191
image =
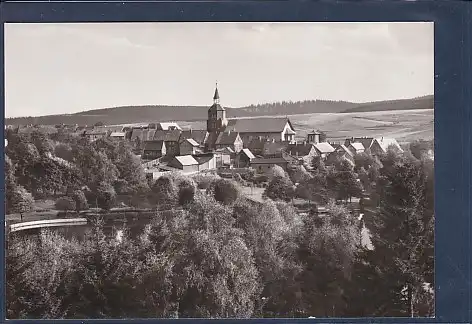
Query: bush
pixel 205 181
pixel 225 191
pixel 80 200
pixel 65 204
pixel 187 189
pixel 105 196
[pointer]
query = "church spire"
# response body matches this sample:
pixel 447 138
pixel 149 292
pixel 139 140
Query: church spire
pixel 216 97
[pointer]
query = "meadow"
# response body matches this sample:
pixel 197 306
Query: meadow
pixel 404 125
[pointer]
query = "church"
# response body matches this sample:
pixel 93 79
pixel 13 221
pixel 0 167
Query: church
pixel 276 129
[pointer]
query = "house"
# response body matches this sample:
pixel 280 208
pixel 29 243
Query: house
pixel 223 157
pixel 256 146
pixel 118 135
pixel 198 135
pixel 304 152
pixel 323 149
pixel 206 161
pixel 229 139
pixel 189 147
pixel 273 148
pixel 171 139
pixel 314 137
pixel 139 136
pixel 356 147
pixel 365 141
pixel 243 158
pixel 264 165
pixel 164 126
pixel 185 163
pixel 341 152
pixel 277 129
pixel 93 135
pixel 383 144
pixel 153 150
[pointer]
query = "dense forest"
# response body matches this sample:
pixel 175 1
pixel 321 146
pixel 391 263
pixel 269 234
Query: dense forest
pixel 136 114
pixel 210 252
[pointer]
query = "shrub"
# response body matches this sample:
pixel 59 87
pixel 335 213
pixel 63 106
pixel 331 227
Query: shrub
pixel 65 204
pixel 225 191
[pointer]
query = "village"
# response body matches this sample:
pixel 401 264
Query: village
pixel 226 145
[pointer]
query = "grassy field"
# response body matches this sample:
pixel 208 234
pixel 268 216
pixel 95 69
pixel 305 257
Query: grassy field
pixel 404 125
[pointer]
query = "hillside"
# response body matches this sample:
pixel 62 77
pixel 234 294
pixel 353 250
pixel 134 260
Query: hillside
pixel 426 102
pixel 136 114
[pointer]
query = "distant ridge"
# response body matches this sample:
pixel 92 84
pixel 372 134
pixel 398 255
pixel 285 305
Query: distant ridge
pixel 137 114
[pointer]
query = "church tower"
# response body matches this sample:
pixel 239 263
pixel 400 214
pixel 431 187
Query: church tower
pixel 217 121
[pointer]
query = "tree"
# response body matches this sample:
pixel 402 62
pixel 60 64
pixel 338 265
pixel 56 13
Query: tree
pixel 277 171
pixel 80 202
pixel 21 201
pixel 41 141
pixel 327 252
pixel 299 174
pixel 280 188
pixel 187 190
pixel 164 192
pixel 420 148
pixel 105 196
pixel 225 191
pixel 65 204
pixel 402 230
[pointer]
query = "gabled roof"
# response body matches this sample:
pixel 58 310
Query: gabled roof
pixel 227 138
pixel 192 142
pixel 365 141
pixel 385 143
pixel 357 146
pixel 256 145
pixel 248 153
pixel 153 145
pixel 299 149
pixel 198 135
pixel 117 134
pixel 226 149
pixel 203 158
pixel 186 160
pixel 324 147
pixel 258 125
pixel 168 136
pixel 342 148
pixel 143 134
pixel 165 125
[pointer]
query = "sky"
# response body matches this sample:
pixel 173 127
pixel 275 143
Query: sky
pixel 66 68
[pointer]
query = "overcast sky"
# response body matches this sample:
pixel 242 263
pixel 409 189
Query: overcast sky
pixel 65 68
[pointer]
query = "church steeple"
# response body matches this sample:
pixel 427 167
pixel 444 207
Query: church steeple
pixel 216 97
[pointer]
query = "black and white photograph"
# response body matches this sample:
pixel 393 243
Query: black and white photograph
pixel 219 170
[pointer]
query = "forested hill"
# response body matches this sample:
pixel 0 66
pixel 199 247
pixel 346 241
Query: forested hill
pixel 136 114
pixel 426 102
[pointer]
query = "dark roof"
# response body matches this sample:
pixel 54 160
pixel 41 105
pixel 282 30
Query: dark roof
pixel 274 147
pixel 153 145
pixel 168 136
pixel 198 135
pixel 143 134
pixel 258 125
pixel 203 158
pixel 217 95
pixel 227 138
pixel 216 107
pixel 256 145
pixel 302 149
